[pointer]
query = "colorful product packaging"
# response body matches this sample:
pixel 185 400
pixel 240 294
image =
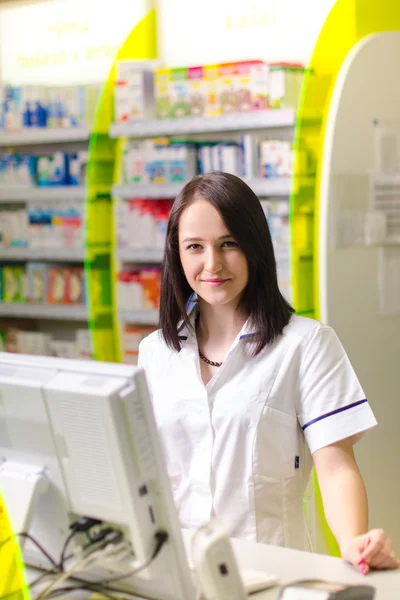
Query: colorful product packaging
pixel 211 75
pixel 52 170
pixel 75 287
pixel 150 279
pixel 162 91
pixel 58 285
pixel 15 284
pixel 37 275
pixel 179 93
pixel 77 166
pixel 134 92
pixel 285 82
pixel 196 91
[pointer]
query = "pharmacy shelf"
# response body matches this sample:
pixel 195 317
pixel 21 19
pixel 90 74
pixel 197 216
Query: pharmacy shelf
pixel 45 135
pixel 261 187
pixel 234 122
pixel 45 254
pixel 141 255
pixel 19 193
pixel 140 317
pixel 45 311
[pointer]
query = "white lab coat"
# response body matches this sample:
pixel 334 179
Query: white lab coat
pixel 240 447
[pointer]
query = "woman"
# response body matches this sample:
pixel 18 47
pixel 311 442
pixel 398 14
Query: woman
pixel 248 396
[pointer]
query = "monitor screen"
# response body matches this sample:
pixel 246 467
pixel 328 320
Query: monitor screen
pixel 79 447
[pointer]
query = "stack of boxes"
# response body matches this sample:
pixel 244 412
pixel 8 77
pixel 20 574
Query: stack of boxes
pixel 41 283
pixel 23 339
pixel 141 223
pixel 27 107
pixel 44 225
pixel 209 90
pixel 139 289
pixel 57 169
pixel 158 161
pixel 131 338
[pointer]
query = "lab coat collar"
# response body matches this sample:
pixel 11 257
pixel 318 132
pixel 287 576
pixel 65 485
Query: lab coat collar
pixel 186 335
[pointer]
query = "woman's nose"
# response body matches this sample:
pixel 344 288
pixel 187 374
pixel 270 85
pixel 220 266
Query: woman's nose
pixel 213 262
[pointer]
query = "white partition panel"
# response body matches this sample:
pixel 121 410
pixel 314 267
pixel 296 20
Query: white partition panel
pixel 368 88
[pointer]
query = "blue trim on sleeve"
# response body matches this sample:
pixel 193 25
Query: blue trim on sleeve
pixel 334 412
pixel 247 335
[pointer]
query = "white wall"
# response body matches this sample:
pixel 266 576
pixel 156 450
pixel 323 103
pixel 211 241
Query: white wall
pixel 226 30
pixel 38 42
pixel 368 87
pixel 64 41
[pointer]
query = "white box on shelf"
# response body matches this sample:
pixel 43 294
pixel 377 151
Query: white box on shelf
pixel 134 92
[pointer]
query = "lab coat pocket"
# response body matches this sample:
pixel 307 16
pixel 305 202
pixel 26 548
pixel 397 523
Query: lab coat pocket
pixel 276 451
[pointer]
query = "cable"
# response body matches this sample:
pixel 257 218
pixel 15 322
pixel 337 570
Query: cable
pixel 63 551
pixel 34 541
pixel 161 538
pixel 106 536
pixel 66 590
pixel 106 550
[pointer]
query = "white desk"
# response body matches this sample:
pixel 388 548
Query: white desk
pixel 290 565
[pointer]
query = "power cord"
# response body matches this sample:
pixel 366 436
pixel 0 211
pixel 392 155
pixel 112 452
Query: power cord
pixel 68 589
pixel 161 538
pixel 82 525
pixel 111 548
pixel 35 542
pixel 105 538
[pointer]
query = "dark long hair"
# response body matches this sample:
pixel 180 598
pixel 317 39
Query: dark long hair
pixel 243 216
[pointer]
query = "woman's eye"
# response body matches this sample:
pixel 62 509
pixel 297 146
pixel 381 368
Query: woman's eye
pixel 230 244
pixel 194 247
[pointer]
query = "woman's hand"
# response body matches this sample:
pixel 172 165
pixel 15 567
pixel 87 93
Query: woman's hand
pixel 372 550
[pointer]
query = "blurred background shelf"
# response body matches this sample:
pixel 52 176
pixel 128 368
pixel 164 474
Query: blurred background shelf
pixel 16 193
pixel 261 187
pixel 45 311
pixel 141 255
pixel 140 317
pixel 45 254
pixel 30 137
pixel 235 122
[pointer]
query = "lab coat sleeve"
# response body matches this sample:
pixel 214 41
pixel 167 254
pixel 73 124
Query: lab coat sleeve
pixel 331 404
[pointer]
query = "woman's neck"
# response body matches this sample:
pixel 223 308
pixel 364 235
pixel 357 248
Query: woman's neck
pixel 219 324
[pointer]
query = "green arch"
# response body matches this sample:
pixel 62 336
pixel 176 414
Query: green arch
pixel 103 167
pixel 347 24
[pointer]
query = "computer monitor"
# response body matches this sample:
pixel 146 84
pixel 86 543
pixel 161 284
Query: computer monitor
pixel 78 438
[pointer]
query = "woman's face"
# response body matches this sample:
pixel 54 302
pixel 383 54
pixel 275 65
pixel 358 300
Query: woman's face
pixel 214 265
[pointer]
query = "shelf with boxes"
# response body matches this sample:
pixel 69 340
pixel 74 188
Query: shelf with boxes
pixel 43 290
pixel 48 230
pixel 44 134
pixel 177 123
pixel 38 114
pixel 22 336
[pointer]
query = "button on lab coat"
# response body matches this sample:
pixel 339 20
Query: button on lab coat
pixel 240 447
